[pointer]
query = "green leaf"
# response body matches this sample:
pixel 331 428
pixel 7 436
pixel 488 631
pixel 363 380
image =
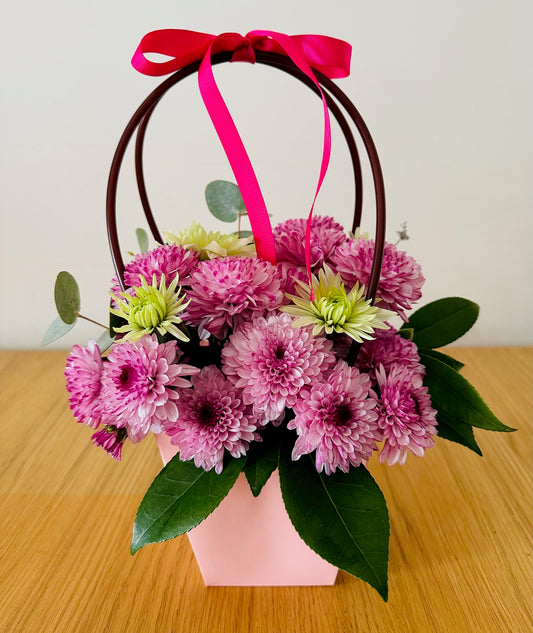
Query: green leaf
pixel 443 321
pixel 262 459
pixel 242 234
pixel 142 238
pixel 457 432
pixel 407 333
pixel 180 497
pixel 343 517
pixel 444 358
pixel 105 340
pixel 115 322
pixel 57 329
pixel 224 200
pixel 67 297
pixel 456 399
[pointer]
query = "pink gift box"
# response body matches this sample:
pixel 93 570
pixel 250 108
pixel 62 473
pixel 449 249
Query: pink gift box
pixel 250 541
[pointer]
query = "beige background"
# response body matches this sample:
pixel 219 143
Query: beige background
pixel 445 88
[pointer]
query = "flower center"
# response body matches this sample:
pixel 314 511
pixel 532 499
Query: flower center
pixel 335 308
pixel 149 310
pixel 342 415
pixel 126 377
pixel 279 353
pixel 207 416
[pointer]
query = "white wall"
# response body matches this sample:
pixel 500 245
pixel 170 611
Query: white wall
pixel 446 89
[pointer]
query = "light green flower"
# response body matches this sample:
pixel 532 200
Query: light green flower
pixel 334 310
pixel 213 243
pixel 154 307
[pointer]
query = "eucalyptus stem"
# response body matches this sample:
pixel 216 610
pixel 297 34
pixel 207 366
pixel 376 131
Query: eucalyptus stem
pixel 80 316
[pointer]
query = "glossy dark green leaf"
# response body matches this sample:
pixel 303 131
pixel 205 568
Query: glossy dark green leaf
pixel 407 333
pixel 57 329
pixel 262 460
pixel 142 238
pixel 224 200
pixel 456 398
pixel 67 297
pixel 115 322
pixel 179 498
pixel 457 432
pixel 443 321
pixel 343 517
pixel 444 358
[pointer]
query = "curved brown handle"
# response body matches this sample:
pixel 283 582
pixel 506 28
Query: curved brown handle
pixel 142 116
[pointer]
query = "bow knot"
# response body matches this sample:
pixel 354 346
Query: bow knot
pixel 244 52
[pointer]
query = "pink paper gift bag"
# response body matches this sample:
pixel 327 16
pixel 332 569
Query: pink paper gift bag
pixel 250 541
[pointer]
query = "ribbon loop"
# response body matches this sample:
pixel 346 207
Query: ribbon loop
pixel 328 55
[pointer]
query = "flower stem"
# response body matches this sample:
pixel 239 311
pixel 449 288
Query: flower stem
pixel 91 321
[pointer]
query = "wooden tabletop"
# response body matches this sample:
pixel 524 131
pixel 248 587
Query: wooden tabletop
pixel 461 538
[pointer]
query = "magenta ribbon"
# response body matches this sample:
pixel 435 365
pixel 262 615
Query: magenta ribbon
pixel 328 55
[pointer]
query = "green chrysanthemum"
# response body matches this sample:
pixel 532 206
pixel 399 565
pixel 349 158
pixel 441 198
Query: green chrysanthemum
pixel 154 307
pixel 334 310
pixel 213 243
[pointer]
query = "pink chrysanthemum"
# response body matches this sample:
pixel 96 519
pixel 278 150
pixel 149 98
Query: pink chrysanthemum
pixel 139 384
pixel 401 277
pixel 406 417
pixel 111 440
pixel 227 291
pixel 337 419
pixel 289 273
pixel 271 361
pixel 389 349
pixel 169 260
pixel 326 236
pixel 83 372
pixel 212 419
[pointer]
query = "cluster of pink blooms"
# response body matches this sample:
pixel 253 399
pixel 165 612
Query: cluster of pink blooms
pixel 247 366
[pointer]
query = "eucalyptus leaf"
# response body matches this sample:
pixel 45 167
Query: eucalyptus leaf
pixel 57 329
pixel 443 321
pixel 142 238
pixel 224 200
pixel 342 517
pixel 444 358
pixel 105 340
pixel 67 297
pixel 457 432
pixel 456 398
pixel 180 497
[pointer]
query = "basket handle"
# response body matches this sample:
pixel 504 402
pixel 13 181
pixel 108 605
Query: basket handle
pixel 141 117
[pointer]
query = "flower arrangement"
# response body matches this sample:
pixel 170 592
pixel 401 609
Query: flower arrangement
pixel 294 349
pixel 247 370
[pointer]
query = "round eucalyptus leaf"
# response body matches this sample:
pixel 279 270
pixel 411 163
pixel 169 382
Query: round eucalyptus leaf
pixel 67 297
pixel 224 200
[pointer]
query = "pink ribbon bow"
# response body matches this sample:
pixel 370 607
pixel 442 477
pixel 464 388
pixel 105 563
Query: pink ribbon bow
pixel 328 55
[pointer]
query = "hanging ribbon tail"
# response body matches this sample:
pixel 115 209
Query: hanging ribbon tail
pixel 238 159
pixel 328 55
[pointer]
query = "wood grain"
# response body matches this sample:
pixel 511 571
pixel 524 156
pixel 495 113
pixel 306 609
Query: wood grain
pixel 460 554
